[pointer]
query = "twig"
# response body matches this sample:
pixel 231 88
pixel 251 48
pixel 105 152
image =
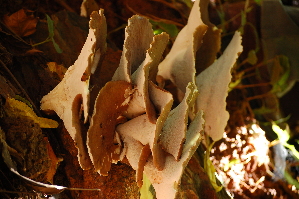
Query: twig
pixel 252 85
pixel 65 5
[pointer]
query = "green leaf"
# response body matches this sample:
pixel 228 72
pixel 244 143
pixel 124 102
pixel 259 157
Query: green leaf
pixel 170 29
pixel 158 31
pixel 293 149
pixel 145 190
pixel 280 73
pixel 50 26
pixel 252 59
pixel 262 110
pixel 243 22
pixel 188 3
pixel 258 2
pixel 210 169
pixel 291 180
pixel 56 46
pixel 18 97
pixel 283 135
pixel 236 82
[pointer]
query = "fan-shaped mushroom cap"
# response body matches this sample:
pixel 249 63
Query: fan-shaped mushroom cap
pixel 72 94
pixel 140 102
pixel 211 41
pixel 172 137
pixel 110 104
pixel 179 64
pixel 212 85
pixel 138 37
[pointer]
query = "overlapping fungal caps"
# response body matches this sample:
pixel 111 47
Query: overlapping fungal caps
pixel 133 119
pixel 155 137
pixel 71 95
pixel 180 66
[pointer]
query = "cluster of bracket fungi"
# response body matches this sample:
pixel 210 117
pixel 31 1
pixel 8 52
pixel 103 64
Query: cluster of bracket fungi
pixel 133 118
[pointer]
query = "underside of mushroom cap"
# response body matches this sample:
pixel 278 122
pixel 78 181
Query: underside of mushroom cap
pixel 212 84
pixel 110 104
pixel 179 64
pixel 166 182
pixel 66 99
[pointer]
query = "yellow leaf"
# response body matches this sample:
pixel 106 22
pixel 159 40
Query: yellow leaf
pixel 210 169
pixel 15 108
pixel 56 68
pixel 145 192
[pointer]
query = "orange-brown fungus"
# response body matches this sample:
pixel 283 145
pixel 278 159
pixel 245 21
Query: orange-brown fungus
pixel 111 102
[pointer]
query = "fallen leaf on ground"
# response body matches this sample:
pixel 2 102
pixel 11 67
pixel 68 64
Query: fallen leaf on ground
pixel 22 22
pixel 17 108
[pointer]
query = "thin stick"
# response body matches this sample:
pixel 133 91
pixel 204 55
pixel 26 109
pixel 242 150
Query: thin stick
pixel 252 85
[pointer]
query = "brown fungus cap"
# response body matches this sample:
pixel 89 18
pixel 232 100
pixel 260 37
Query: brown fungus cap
pixel 110 104
pixel 141 57
pixel 138 37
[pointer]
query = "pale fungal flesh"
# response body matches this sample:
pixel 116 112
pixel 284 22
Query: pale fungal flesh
pixel 138 37
pixel 136 121
pixel 179 64
pixel 174 129
pixel 72 94
pixel 212 84
pixel 166 182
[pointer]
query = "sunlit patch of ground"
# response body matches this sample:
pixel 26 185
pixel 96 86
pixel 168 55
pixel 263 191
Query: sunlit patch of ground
pixel 243 162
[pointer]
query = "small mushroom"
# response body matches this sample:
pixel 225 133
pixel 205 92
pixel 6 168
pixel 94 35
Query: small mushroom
pixel 72 93
pixel 141 54
pixel 212 85
pixel 179 64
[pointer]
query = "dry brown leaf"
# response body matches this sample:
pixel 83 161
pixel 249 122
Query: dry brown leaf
pixel 59 69
pixel 22 22
pixel 54 162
